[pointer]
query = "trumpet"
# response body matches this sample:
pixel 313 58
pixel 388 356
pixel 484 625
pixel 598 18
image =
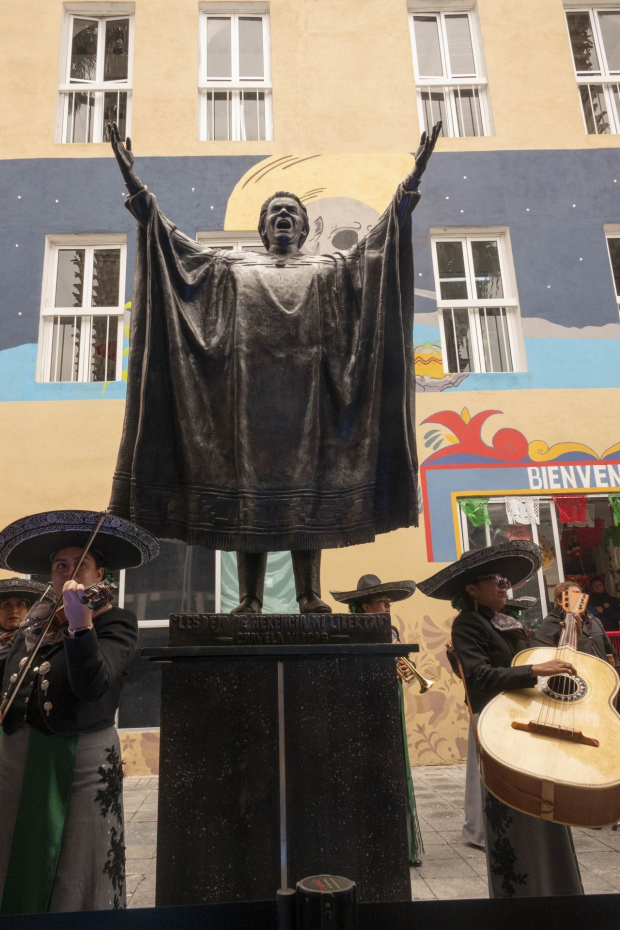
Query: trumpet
pixel 407 671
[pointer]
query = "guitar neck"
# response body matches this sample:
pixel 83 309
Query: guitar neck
pixel 569 635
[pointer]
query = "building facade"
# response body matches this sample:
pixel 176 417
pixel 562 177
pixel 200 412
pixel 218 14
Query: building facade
pixel 517 265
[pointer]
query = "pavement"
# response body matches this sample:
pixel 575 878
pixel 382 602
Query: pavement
pixel 450 867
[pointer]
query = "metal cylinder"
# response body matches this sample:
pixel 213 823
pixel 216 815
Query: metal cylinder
pixel 326 902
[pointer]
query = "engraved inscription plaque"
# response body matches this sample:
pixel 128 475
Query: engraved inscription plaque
pixel 278 629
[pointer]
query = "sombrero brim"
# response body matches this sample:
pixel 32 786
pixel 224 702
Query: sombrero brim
pixel 395 590
pixel 27 544
pixel 516 560
pixel 522 603
pixel 20 587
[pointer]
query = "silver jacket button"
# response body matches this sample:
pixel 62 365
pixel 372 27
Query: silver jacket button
pixel 23 661
pixel 47 707
pixel 44 668
pixel 13 677
pixel 45 684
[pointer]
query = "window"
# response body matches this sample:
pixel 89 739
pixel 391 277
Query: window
pixel 240 241
pixel 449 75
pixel 479 316
pixel 95 86
pixel 613 244
pixel 235 78
pixel 570 551
pixel 595 42
pixel 81 334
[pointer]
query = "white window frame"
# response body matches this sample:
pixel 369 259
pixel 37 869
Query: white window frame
pixel 66 86
pixel 449 83
pixel 48 311
pixel 234 85
pixel 603 76
pixel 239 241
pixel 613 232
pixel 473 304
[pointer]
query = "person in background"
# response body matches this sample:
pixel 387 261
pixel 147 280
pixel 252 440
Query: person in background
pixel 592 636
pixel 17 595
pixel 373 597
pixel 62 842
pixel 603 605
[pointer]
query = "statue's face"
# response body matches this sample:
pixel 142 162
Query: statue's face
pixel 284 223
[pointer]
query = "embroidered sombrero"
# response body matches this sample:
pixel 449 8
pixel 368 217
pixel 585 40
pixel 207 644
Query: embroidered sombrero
pixel 521 603
pixel 27 544
pixel 30 591
pixel 370 585
pixel 515 560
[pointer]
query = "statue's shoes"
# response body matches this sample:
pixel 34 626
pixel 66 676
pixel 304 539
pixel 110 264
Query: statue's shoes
pixel 312 604
pixel 248 605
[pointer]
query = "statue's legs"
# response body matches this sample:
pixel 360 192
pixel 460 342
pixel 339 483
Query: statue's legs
pixel 307 571
pixel 251 573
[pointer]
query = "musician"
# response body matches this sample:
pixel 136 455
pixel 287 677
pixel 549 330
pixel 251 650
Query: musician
pixel 603 605
pixel 62 840
pixel 526 856
pixel 592 636
pixel 17 595
pixel 373 597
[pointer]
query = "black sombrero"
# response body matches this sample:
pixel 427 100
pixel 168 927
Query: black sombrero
pixel 27 544
pixel 521 603
pixel 30 591
pixel 516 560
pixel 370 585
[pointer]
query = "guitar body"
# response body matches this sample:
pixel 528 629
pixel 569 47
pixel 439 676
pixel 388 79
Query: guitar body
pixel 552 773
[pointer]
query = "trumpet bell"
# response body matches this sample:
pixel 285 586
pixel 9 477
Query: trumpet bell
pixel 407 671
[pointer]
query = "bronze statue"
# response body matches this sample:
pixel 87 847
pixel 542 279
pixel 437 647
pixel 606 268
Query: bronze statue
pixel 270 399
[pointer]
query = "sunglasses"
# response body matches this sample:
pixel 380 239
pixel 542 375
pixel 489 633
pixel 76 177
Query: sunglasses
pixel 499 581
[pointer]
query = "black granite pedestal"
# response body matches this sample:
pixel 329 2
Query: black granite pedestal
pixel 220 769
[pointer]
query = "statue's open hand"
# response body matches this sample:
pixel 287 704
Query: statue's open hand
pixel 424 152
pixel 123 153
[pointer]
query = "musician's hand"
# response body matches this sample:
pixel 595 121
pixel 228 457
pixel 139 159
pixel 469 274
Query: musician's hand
pixel 553 667
pixel 78 615
pixel 449 647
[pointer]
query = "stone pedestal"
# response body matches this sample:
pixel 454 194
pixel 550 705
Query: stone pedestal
pixel 219 803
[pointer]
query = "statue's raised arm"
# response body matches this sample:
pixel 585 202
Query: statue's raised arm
pixel 125 158
pixel 422 156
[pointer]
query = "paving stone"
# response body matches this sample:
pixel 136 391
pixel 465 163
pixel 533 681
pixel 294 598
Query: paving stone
pixel 146 851
pixel 140 834
pixel 458 888
pixel 445 868
pixel 143 816
pixel 141 866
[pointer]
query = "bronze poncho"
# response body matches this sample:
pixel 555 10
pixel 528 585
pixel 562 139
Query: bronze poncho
pixel 270 407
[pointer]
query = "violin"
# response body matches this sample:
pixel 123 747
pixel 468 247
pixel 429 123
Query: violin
pixel 96 597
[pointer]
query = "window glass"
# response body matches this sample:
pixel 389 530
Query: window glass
pixel 84 50
pixel 595 109
pixel 219 58
pixel 468 112
pixel 610 31
pixel 106 273
pixel 487 269
pixel 180 580
pixel 66 333
pixel 80 117
pixel 434 106
pixel 460 47
pixel 253 118
pixel 251 59
pixel 582 42
pixel 458 340
pixel 451 265
pixel 426 30
pixel 115 111
pixel 495 341
pixel 614 254
pixel 69 278
pixel 104 335
pixel 116 59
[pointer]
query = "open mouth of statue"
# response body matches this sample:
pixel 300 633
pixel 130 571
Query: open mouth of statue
pixel 284 224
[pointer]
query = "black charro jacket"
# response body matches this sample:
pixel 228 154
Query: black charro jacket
pixel 485 655
pixel 86 677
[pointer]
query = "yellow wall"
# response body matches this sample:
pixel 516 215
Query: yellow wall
pixel 342 80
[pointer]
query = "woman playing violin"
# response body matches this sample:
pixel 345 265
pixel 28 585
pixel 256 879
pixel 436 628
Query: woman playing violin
pixel 62 842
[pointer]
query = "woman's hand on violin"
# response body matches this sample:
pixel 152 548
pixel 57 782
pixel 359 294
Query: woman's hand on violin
pixel 78 615
pixel 553 667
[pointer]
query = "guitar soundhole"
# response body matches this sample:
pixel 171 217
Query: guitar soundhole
pixel 563 687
